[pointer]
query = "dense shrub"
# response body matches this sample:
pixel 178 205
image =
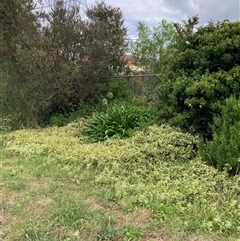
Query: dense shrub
pixel 191 101
pixel 203 73
pixel 224 150
pixel 118 121
pixel 44 71
pixel 120 89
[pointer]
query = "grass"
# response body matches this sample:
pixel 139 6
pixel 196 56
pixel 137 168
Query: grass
pixel 46 196
pixel 39 202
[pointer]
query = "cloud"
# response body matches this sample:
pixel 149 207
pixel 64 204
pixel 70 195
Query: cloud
pixel 153 11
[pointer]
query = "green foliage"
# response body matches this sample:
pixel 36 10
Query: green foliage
pixel 70 215
pixel 132 233
pixel 193 100
pixel 154 170
pixel 58 120
pixel 118 121
pixel 34 234
pixel 120 89
pixel 39 78
pixel 223 152
pixel 84 109
pixel 152 145
pixel 153 48
pixel 200 76
pixel 46 69
pixel 108 230
pixel 115 91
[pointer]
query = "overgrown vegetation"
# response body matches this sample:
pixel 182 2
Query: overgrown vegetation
pixel 119 122
pixel 203 72
pixel 49 61
pixel 101 164
pixel 223 152
pixel 156 172
pixel 198 71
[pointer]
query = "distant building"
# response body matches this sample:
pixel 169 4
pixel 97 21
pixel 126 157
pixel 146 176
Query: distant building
pixel 133 65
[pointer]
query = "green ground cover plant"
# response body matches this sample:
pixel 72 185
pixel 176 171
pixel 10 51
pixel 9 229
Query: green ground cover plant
pixel 141 188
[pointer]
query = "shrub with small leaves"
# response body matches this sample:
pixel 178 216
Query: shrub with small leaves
pixel 119 89
pixel 224 150
pixel 118 122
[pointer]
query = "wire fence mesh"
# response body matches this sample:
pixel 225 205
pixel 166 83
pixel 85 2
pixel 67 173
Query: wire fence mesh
pixel 144 84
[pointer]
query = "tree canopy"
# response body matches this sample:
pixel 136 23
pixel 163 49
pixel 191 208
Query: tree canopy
pixel 53 59
pixel 153 46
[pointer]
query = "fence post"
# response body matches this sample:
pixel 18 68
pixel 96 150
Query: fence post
pixel 132 85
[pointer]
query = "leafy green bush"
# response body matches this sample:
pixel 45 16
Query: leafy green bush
pixel 58 120
pixel 191 101
pixel 118 121
pixel 120 89
pixel 224 150
pixel 204 72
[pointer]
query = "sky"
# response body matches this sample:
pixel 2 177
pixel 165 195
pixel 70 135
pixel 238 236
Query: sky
pixel 153 11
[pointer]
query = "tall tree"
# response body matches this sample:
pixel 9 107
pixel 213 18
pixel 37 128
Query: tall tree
pixel 153 48
pixel 48 66
pixel 18 33
pixel 104 35
pixel 61 38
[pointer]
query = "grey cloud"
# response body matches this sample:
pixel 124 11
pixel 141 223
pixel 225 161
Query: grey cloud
pixel 153 11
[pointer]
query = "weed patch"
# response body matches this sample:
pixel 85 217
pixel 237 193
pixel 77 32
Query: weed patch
pixel 151 186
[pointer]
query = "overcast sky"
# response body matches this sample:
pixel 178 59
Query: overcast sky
pixel 153 11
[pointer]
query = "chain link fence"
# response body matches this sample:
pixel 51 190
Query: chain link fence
pixel 140 85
